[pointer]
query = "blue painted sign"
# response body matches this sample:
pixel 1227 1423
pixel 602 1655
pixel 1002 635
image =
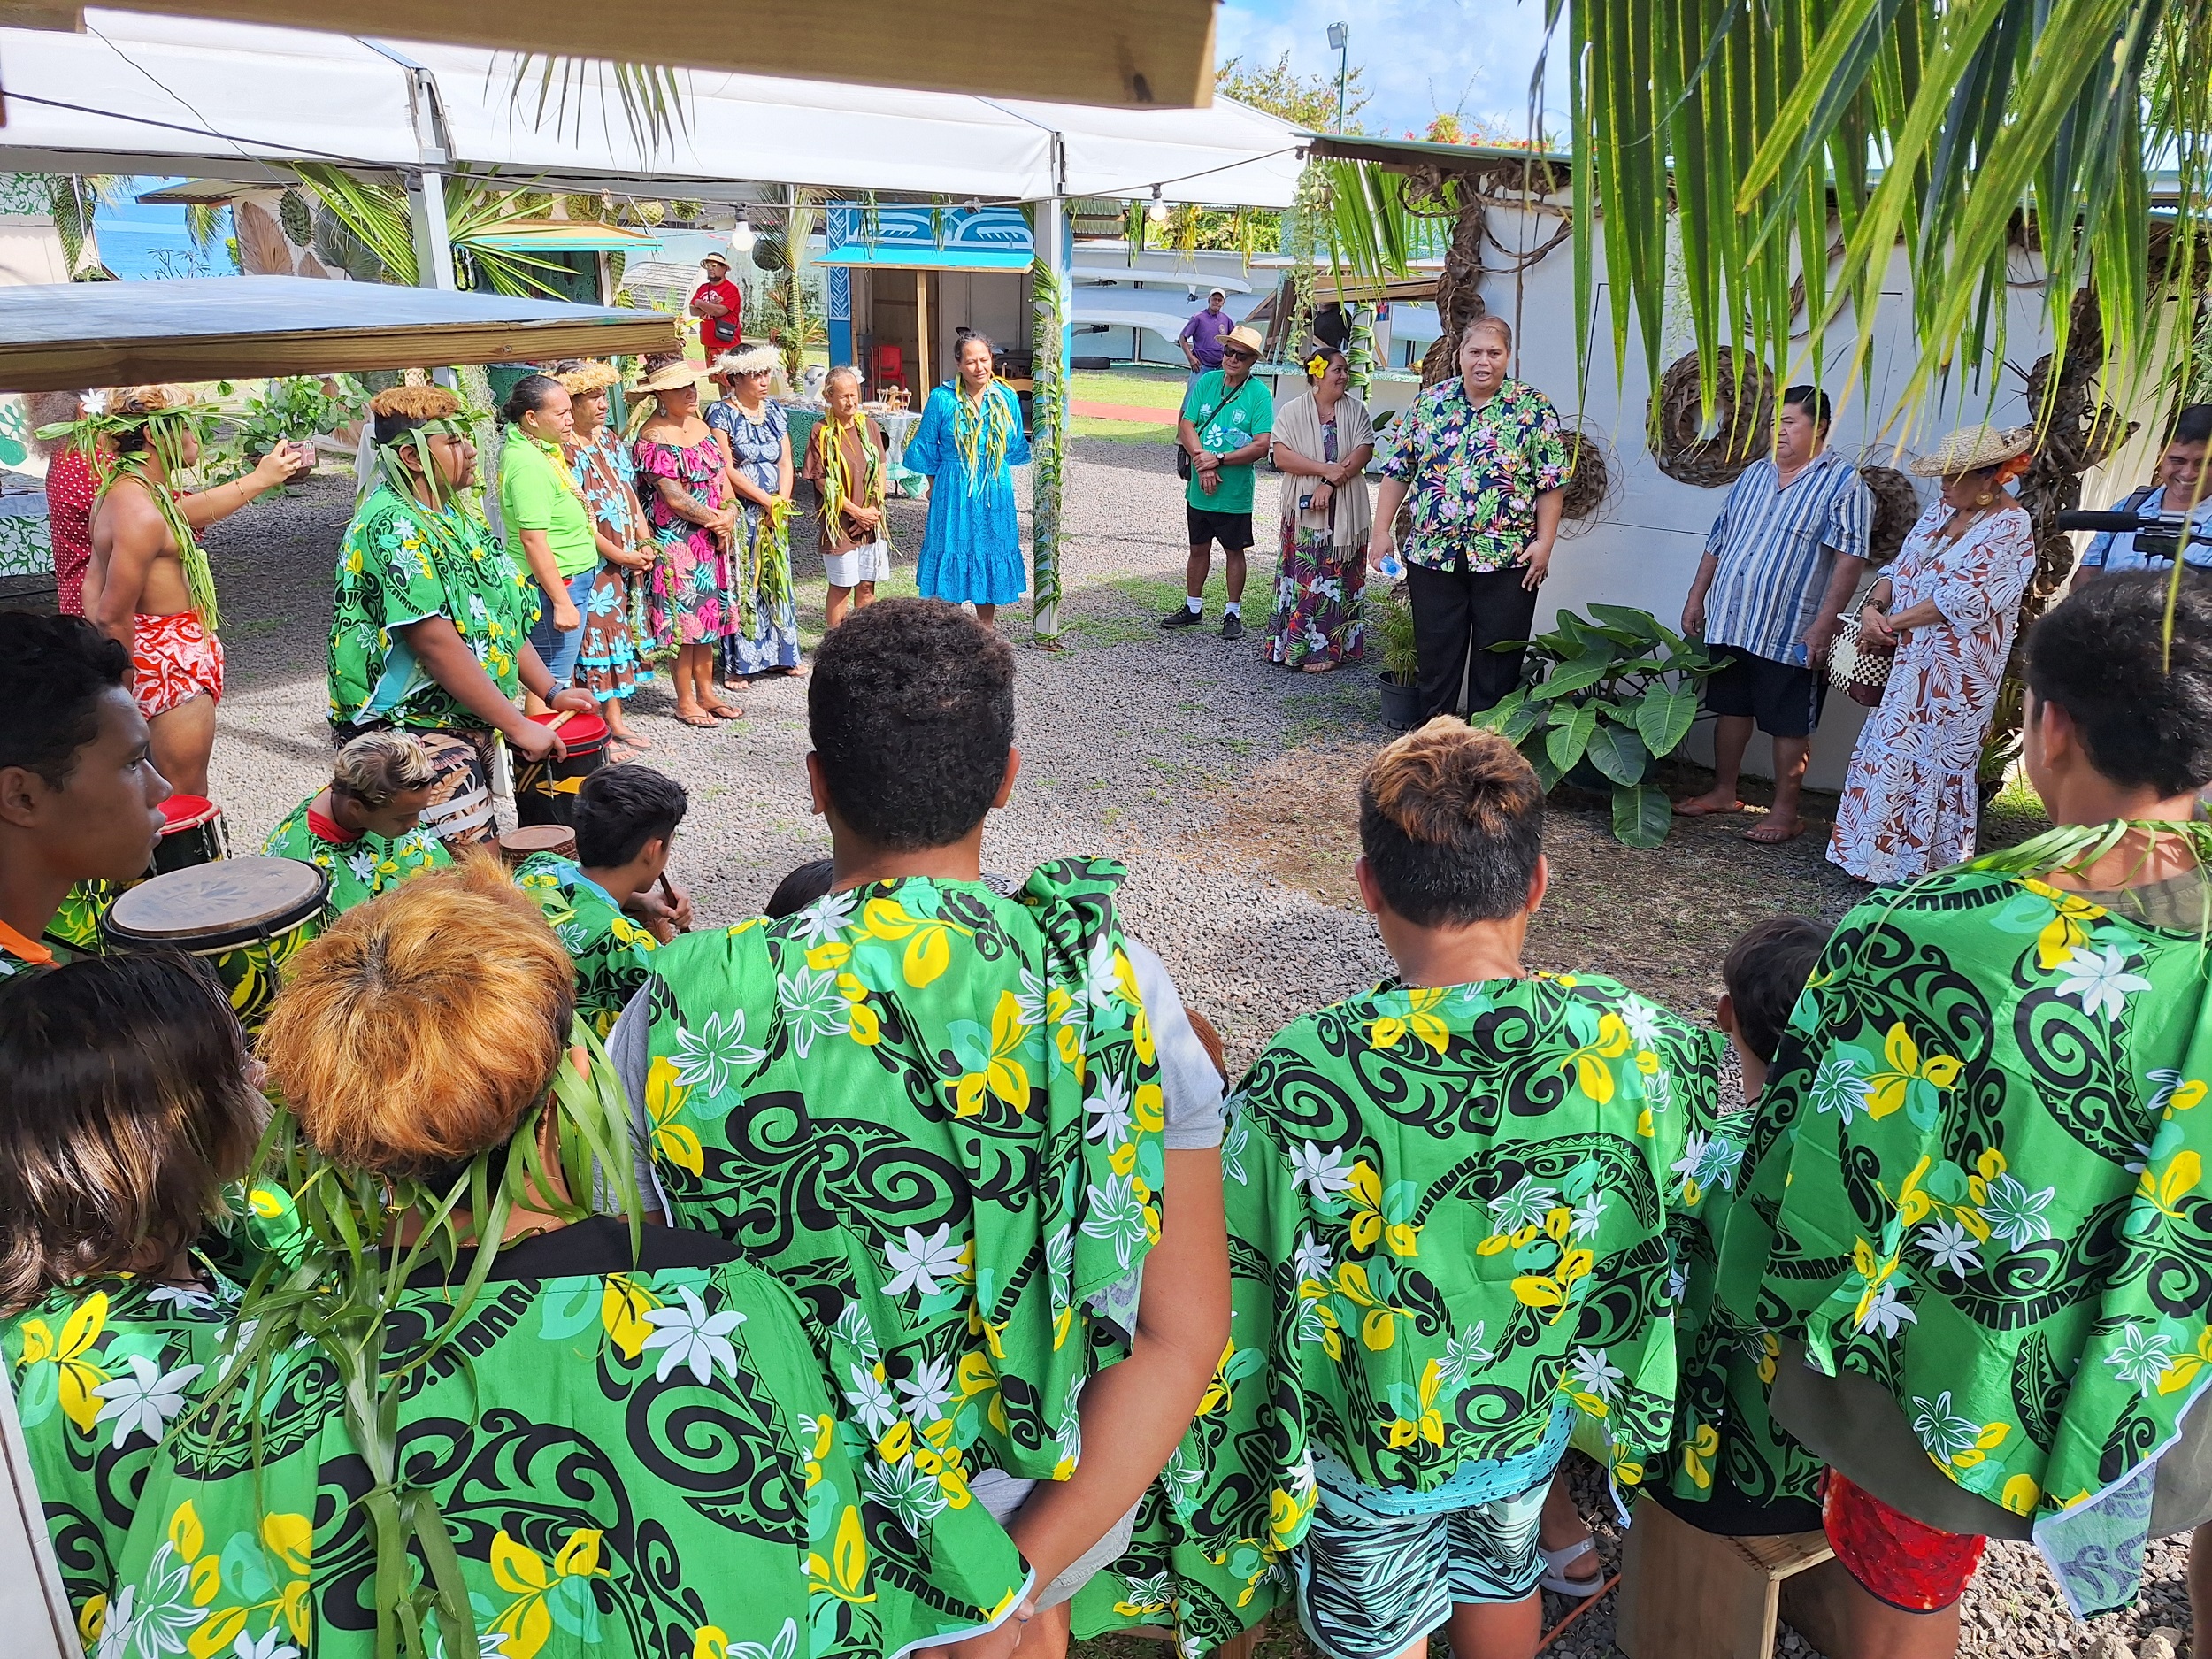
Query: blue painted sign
pixel 910 237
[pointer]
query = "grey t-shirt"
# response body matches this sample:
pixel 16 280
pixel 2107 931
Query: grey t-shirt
pixel 1190 1089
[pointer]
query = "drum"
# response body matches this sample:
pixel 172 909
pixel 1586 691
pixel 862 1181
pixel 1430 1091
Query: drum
pixel 517 844
pixel 545 790
pixel 191 833
pixel 247 916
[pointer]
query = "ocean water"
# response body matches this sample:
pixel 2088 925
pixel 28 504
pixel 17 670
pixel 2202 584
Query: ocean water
pixel 139 241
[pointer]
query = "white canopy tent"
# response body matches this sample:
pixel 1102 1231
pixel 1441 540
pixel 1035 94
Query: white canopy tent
pixel 137 92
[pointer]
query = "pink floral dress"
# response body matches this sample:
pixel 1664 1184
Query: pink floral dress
pixel 689 601
pixel 1911 802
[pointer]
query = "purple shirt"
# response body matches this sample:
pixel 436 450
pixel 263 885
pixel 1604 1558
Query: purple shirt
pixel 1205 331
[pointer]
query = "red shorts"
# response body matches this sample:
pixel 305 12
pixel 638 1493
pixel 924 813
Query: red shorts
pixel 1896 1559
pixel 174 659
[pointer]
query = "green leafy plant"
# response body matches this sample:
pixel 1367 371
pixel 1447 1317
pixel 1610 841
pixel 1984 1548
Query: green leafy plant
pixel 299 409
pixel 1392 622
pixel 1610 697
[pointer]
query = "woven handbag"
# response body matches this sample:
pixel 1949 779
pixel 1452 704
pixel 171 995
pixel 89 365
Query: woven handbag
pixel 1861 673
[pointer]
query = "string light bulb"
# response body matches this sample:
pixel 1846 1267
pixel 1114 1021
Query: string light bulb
pixel 1157 211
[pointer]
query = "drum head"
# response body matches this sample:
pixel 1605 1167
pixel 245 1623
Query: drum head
pixel 582 732
pixel 187 811
pixel 209 906
pixel 518 844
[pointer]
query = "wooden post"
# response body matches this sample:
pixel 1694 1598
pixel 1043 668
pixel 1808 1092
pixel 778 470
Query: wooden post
pixel 924 373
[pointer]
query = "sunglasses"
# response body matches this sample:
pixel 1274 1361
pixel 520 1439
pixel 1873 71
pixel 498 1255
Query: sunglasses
pixel 1239 354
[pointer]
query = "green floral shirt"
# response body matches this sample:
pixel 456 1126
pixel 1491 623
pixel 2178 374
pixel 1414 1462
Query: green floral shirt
pixel 613 955
pixel 360 869
pixel 1979 1179
pixel 400 563
pixel 1472 475
pixel 631 1463
pixel 101 1370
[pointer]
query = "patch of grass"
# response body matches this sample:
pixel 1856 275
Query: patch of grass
pixel 1120 430
pixel 1110 630
pixel 1314 714
pixel 1144 388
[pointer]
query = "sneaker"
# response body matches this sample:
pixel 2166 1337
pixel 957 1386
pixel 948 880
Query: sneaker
pixel 1232 626
pixel 1182 617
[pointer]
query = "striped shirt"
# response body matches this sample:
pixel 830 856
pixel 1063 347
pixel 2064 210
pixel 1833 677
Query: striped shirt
pixel 1777 549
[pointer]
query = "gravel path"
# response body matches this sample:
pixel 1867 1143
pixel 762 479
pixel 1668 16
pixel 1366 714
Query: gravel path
pixel 1227 785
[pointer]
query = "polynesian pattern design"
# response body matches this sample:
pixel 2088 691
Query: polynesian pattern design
pixel 935 1113
pixel 1978 1178
pixel 358 869
pixel 1484 1175
pixel 77 923
pixel 400 563
pixel 612 954
pixel 101 1370
pixel 629 1464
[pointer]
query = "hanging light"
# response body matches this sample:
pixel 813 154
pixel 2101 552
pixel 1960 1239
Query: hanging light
pixel 742 235
pixel 1157 211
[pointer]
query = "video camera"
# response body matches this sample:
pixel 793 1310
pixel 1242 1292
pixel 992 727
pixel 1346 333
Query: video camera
pixel 2155 538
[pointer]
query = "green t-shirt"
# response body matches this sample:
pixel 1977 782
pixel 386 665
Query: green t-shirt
pixel 537 493
pixel 401 563
pixel 1226 420
pixel 613 955
pixel 361 868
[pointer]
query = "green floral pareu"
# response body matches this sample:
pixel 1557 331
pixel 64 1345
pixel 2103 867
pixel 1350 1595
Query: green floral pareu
pixel 101 1370
pixel 1978 1178
pixel 612 954
pixel 935 1113
pixel 360 869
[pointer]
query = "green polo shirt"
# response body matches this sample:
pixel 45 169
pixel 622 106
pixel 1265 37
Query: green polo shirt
pixel 1227 421
pixel 536 492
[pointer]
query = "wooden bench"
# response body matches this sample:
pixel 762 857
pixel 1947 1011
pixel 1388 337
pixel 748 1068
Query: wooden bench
pixel 1691 1594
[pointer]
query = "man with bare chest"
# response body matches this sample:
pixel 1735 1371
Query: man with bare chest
pixel 148 586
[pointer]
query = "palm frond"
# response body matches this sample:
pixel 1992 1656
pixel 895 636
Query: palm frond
pixel 377 216
pixel 561 93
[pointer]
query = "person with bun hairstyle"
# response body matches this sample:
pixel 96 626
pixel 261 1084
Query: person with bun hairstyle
pixel 363 829
pixel 1461 1183
pixel 543 509
pixel 430 630
pixel 1972 1221
pixel 616 1433
pixel 125 1111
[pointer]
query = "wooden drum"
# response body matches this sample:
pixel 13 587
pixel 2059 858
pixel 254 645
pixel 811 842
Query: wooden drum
pixel 545 790
pixel 247 916
pixel 191 833
pixel 517 844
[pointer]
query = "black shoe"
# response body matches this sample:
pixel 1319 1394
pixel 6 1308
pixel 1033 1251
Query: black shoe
pixel 1232 626
pixel 1182 617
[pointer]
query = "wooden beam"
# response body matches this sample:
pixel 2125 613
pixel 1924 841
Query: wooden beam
pixel 1133 52
pixel 42 14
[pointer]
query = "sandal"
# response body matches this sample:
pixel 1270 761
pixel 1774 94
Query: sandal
pixel 723 711
pixel 698 717
pixel 1555 1577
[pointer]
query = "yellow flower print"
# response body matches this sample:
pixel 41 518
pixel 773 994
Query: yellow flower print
pixel 1379 1325
pixel 928 941
pixel 862 1025
pixel 79 1376
pixel 2164 1192
pixel 526 1621
pixel 1317 1320
pixel 1000 1074
pixel 2021 1494
pixel 1886 1091
pixel 1428 1423
pixel 1216 1394
pixel 1699 1454
pixel 623 1305
pixel 846 1573
pixel 2182 1369
pixel 2067 930
pixel 664 1095
pixel 1420 1020
pixel 1593 1075
pixel 1369 1222
pixel 1288 1512
pixel 1551 1292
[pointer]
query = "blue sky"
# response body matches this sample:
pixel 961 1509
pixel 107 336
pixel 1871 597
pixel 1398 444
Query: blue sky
pixel 1422 57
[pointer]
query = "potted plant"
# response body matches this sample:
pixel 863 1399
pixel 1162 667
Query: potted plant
pixel 1392 622
pixel 1609 697
pixel 298 409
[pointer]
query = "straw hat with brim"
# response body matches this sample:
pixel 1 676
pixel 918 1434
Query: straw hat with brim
pixel 1249 339
pixel 1974 449
pixel 714 258
pixel 672 377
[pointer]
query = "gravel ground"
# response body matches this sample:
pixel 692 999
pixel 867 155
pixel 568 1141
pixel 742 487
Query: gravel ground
pixel 1228 785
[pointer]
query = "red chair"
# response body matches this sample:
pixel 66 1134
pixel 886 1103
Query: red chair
pixel 890 368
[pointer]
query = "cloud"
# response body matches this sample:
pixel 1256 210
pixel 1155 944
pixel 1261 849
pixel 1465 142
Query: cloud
pixel 1422 57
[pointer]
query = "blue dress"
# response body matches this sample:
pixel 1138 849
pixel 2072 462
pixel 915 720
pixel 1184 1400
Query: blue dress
pixel 972 550
pixel 757 446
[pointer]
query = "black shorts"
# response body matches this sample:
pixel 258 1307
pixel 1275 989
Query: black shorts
pixel 1232 530
pixel 1784 699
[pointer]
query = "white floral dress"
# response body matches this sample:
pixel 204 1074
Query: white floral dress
pixel 1910 803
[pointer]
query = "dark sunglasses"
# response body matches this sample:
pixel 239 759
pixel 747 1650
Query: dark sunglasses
pixel 1239 354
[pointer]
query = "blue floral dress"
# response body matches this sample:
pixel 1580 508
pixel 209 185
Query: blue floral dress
pixel 757 448
pixel 972 548
pixel 615 624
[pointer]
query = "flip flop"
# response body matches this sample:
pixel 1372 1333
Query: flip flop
pixel 702 720
pixel 1753 834
pixel 723 711
pixel 1691 808
pixel 1556 1564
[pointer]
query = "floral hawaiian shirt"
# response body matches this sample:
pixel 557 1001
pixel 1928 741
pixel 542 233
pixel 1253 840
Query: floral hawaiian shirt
pixel 1472 475
pixel 613 955
pixel 361 868
pixel 402 563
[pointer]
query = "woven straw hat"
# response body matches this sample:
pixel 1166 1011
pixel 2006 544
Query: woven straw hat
pixel 672 376
pixel 1250 339
pixel 592 376
pixel 1972 448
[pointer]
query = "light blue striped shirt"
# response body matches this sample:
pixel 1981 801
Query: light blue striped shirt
pixel 1778 549
pixel 2113 551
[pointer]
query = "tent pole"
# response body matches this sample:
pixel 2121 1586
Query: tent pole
pixel 434 247
pixel 1052 300
pixel 924 375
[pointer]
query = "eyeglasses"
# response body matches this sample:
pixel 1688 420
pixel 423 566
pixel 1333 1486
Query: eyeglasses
pixel 1239 354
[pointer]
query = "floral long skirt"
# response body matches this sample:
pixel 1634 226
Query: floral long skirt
pixel 1318 616
pixel 615 629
